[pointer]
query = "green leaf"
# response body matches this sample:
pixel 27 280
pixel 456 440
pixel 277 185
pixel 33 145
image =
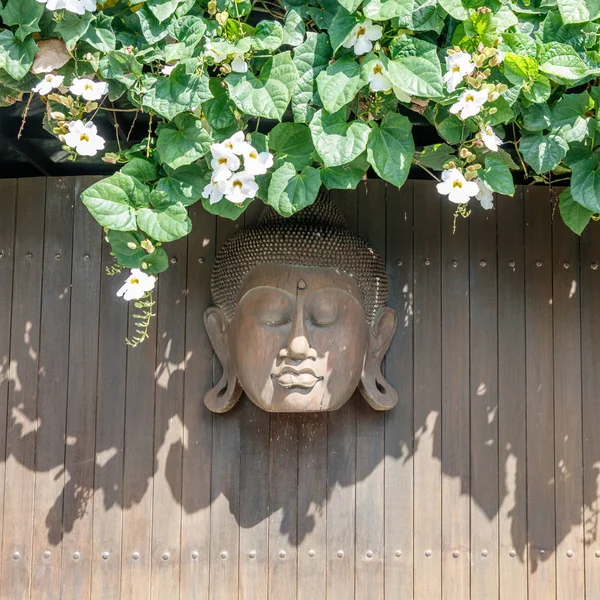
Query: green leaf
pixel 188 30
pixel 518 69
pixel 341 27
pixel 585 183
pixel 183 141
pixel 162 9
pixel 16 57
pixel 176 94
pixel 72 27
pixel 383 10
pixel 132 258
pixel 561 63
pixel 310 58
pixel 345 177
pixel 543 153
pixel 350 5
pixel 536 117
pixel 293 28
pixel 141 169
pixel 518 43
pixel 219 110
pixel 152 29
pixel 226 209
pixel 339 83
pixel 568 116
pixel 416 67
pixel 112 201
pixel 165 224
pixel 435 156
pixel 120 67
pixel 292 142
pixel 268 36
pixel 455 9
pixel 290 191
pixel 579 11
pixel 497 176
pixel 336 141
pixel 184 185
pixel 269 94
pixel 538 90
pixel 575 216
pixel 101 35
pixel 24 13
pixel 391 148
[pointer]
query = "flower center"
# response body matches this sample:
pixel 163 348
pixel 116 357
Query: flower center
pixel 457 184
pixel 361 31
pixel 456 69
pixel 469 98
pixel 377 69
pixel 237 183
pixel 84 137
pixel 222 161
pixel 134 281
pixel 88 86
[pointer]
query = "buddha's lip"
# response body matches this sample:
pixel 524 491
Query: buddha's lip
pixel 294 371
pixel 290 377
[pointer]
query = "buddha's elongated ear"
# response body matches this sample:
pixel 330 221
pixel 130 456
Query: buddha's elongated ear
pixel 374 388
pixel 227 392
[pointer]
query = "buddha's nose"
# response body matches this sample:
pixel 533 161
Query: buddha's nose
pixel 298 347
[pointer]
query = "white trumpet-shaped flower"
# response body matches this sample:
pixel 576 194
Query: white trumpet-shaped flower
pixel 239 64
pixel 210 50
pixel 456 187
pixel 256 163
pixel 237 144
pixel 378 79
pixel 469 104
pixel 46 85
pixel 485 195
pixel 136 285
pixel 75 6
pixel 240 187
pixel 88 89
pixel 214 190
pixel 363 36
pixel 459 65
pixel 224 162
pixel 168 69
pixel 84 138
pixel 490 139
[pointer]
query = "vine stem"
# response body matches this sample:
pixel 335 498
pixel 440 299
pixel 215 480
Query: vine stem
pixel 427 170
pixel 24 116
pixel 149 136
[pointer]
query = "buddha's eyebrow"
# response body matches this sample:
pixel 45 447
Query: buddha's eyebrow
pixel 270 288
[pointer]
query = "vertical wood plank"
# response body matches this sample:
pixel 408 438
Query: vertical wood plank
pixel 312 507
pixel 52 388
pixel 110 431
pixel 512 421
pixel 568 463
pixel 197 441
pixel 540 401
pixel 456 480
pixel 370 431
pixel 283 525
pixel 399 504
pixel 8 205
pixel 225 481
pixel 22 390
pixel 484 404
pixel 81 404
pixel 168 426
pixel 427 392
pixel 590 359
pixel 341 470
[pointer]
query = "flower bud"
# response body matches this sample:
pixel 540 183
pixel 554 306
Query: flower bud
pixel 493 96
pixel 492 110
pixel 225 69
pixel 145 266
pixel 148 246
pixel 131 245
pixel 222 18
pixel 212 8
pixel 377 47
pixel 464 153
pixel 57 115
pixel 450 165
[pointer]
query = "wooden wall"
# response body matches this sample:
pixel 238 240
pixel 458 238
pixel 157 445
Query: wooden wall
pixel 483 483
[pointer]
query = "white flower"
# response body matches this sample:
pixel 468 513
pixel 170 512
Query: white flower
pixel 237 144
pixel 469 103
pixel 210 50
pixel 485 196
pixel 490 139
pixel 257 163
pixel 401 94
pixel 363 36
pixel 378 79
pixel 238 64
pixel 136 285
pixel 214 190
pixel 240 187
pixel 224 162
pixel 84 138
pixel 46 85
pixel 500 55
pixel 458 64
pixel 456 187
pixel 90 90
pixel 168 69
pixel 75 6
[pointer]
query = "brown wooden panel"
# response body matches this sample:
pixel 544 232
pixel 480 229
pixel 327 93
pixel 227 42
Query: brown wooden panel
pixel 512 422
pixel 22 393
pixel 225 483
pixel 370 431
pixel 52 388
pixel 8 205
pixel 540 401
pixel 590 359
pixel 427 393
pixel 456 481
pixel 81 405
pixel 110 431
pixel 197 419
pixel 312 507
pixel 341 470
pixel 568 461
pixel 484 404
pixel 283 499
pixel 399 503
pixel 168 426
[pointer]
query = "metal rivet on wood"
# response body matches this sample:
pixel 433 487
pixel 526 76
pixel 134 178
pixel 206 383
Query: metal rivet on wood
pixel 538 263
pixel 542 552
pixel 282 554
pixel 428 553
pixel 166 556
pixel 1 253
pixel 57 256
pixel 28 256
pixel 594 266
pixel 16 555
pixel 427 261
pixel 224 555
pixel 399 262
pixel 311 553
pixel 454 262
pixel 484 553
pixel 135 555
pixel 86 257
pixel 252 554
pixel 456 554
pixel 398 553
pixel 512 264
pixel 369 554
pixel 195 555
pixel 105 555
pixel 76 556
pixel 173 260
pixel 201 260
pixel 340 554
pixel 47 554
pixel 597 554
pixel 566 265
pixel 512 553
pixel 570 553
pixel 482 263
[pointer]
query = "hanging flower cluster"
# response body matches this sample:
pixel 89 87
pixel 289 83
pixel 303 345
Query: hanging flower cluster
pixel 78 7
pixel 230 179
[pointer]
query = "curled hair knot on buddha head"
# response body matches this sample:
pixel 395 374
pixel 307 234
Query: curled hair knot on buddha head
pixel 314 239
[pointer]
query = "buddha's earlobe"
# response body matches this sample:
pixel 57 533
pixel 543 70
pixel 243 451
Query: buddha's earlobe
pixel 374 388
pixel 227 392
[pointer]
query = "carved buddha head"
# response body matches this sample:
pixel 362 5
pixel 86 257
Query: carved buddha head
pixel 300 317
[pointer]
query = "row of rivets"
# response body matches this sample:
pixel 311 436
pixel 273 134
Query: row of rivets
pixel 511 263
